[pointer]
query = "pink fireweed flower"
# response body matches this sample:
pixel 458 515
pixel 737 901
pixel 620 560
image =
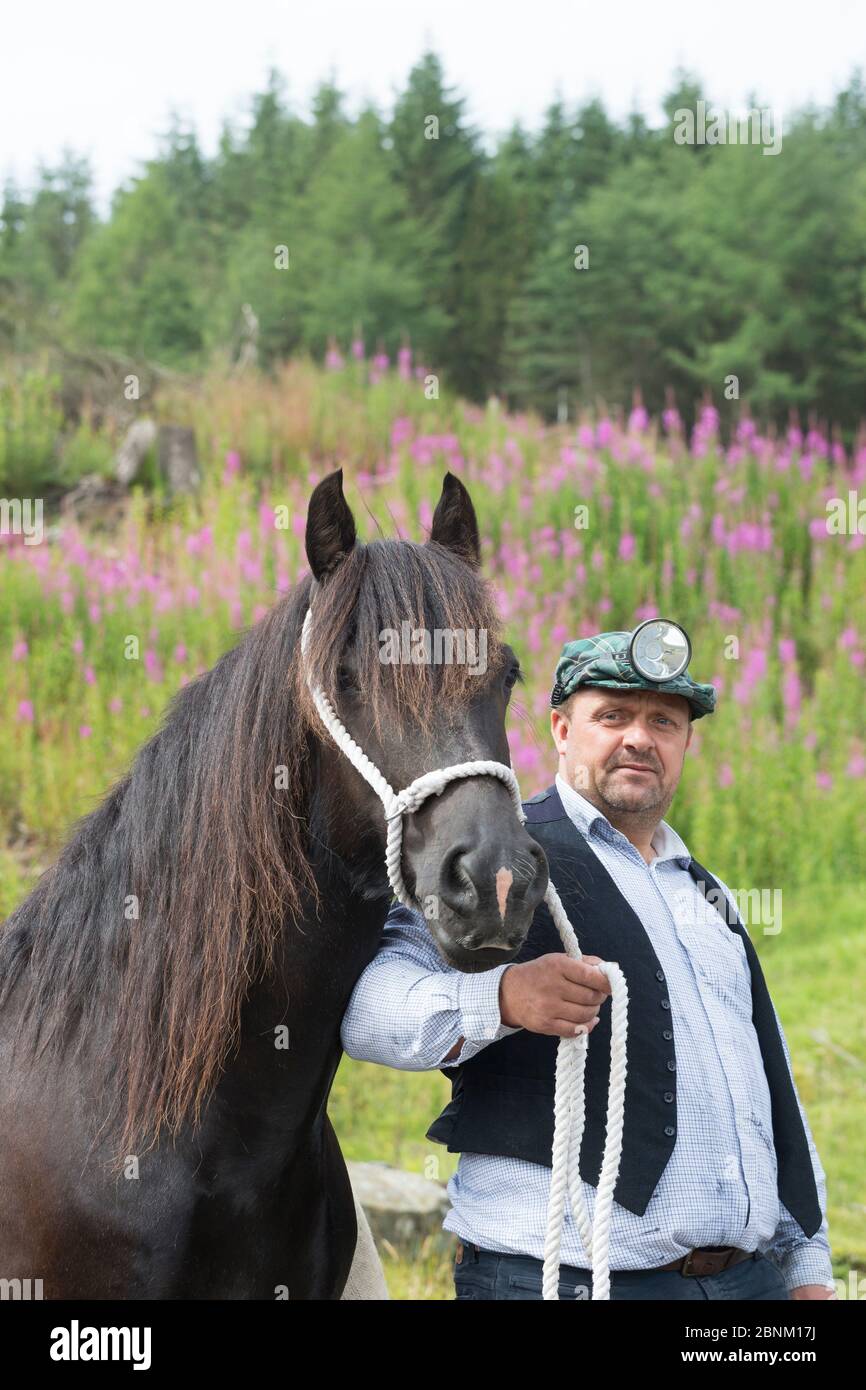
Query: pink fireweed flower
pixel 25 711
pixel 603 433
pixel 823 780
pixel 791 695
pixel 180 653
pixel 726 775
pixel 404 363
pixel 358 349
pixel 84 731
pixel 401 430
pixel 857 766
pixel 232 465
pixel 19 650
pixel 78 646
pixel 334 359
pixel 89 675
pixel 787 649
pixel 115 704
pixel 627 546
pixel 151 664
pixel 267 520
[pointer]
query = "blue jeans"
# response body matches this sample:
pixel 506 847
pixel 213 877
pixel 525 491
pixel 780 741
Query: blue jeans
pixel 486 1274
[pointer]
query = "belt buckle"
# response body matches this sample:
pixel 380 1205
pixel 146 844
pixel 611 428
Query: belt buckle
pixel 686 1262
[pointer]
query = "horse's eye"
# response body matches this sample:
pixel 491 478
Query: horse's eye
pixel 346 681
pixel 514 675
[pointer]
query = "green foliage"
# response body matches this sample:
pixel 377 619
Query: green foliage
pixel 30 422
pixel 706 262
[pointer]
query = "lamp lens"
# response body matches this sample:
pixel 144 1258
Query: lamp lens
pixel 660 650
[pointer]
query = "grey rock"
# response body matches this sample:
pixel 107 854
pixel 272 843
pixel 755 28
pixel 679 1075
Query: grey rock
pixel 130 456
pixel 402 1208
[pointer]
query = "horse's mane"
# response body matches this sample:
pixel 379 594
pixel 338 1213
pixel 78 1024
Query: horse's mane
pixel 211 844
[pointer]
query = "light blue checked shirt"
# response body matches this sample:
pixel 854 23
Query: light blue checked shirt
pixel 408 1009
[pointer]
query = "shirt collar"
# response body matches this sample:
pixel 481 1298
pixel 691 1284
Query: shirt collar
pixel 588 819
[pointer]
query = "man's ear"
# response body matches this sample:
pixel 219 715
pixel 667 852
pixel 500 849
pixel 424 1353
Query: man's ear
pixel 454 522
pixel 559 725
pixel 330 526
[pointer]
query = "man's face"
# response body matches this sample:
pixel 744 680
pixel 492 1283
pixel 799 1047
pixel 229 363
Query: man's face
pixel 624 750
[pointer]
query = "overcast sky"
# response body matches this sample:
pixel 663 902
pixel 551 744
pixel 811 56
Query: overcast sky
pixel 102 77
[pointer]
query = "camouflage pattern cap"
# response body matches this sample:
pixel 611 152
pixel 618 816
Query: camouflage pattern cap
pixel 603 660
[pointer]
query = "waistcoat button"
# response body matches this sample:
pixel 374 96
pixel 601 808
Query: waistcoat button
pixel 667 1034
pixel 660 975
pixel 669 1130
pixel 665 1003
pixel 672 1066
pixel 669 1095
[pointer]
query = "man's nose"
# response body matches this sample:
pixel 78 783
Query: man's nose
pixel 637 737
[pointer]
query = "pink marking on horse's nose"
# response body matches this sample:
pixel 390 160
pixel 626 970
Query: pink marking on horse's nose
pixel 504 880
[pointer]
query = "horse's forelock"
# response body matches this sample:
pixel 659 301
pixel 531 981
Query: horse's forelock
pixel 377 589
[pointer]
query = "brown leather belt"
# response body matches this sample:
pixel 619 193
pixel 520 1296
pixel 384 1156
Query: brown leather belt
pixel 710 1259
pixel 700 1263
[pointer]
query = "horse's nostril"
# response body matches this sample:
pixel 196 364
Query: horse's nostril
pixel 497 876
pixel 458 888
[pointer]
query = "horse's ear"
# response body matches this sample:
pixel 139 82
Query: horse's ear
pixel 330 526
pixel 454 522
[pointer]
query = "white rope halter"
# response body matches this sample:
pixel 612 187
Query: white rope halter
pixel 569 1108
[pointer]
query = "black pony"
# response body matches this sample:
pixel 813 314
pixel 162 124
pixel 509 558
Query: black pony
pixel 171 991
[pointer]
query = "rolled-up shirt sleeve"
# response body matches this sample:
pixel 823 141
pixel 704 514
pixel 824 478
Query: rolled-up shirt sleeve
pixel 409 1008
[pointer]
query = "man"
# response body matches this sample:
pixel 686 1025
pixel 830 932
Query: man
pixel 720 1194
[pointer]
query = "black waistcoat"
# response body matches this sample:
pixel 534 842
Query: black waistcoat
pixel 502 1098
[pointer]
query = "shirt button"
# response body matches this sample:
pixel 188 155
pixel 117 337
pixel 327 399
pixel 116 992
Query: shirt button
pixel 660 974
pixel 667 1034
pixel 669 1130
pixel 669 1095
pixel 672 1066
pixel 665 1003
